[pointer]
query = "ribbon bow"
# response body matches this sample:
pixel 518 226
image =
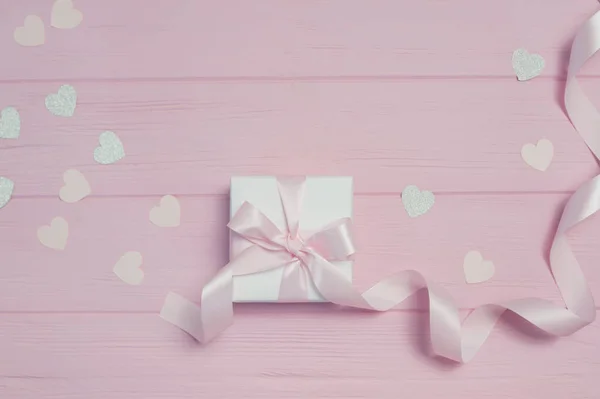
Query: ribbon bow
pixel 303 259
pixel 300 257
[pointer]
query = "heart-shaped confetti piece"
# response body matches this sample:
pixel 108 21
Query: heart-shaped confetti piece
pixel 417 202
pixel 62 103
pixel 10 123
pixel 55 235
pixel 128 268
pixel 65 15
pixel 167 213
pixel 31 33
pixel 6 189
pixel 527 66
pixel 76 187
pixel 110 149
pixel 477 270
pixel 538 156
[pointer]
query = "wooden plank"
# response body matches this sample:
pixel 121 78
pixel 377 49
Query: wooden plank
pixel 296 352
pixel 514 231
pixel 183 138
pixel 236 38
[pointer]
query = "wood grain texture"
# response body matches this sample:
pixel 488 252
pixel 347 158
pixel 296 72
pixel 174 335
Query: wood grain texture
pixel 392 92
pixel 176 132
pixel 266 38
pixel 514 231
pixel 272 352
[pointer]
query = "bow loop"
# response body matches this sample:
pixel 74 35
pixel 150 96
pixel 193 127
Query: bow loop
pixel 287 248
pixel 334 241
pixel 255 227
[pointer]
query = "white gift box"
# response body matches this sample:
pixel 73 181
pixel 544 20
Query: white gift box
pixel 326 198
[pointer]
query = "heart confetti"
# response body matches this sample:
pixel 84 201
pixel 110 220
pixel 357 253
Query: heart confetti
pixel 65 15
pixel 32 32
pixel 55 235
pixel 76 187
pixel 477 270
pixel 110 149
pixel 6 189
pixel 62 103
pixel 128 268
pixel 167 213
pixel 527 66
pixel 10 123
pixel 538 156
pixel 417 202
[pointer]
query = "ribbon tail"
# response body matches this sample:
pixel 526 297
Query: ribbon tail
pixel 444 318
pixel 566 270
pixel 580 110
pixel 215 313
pixel 459 342
pixel 208 320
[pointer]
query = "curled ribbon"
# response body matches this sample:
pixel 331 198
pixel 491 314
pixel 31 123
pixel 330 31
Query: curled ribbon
pixel 309 258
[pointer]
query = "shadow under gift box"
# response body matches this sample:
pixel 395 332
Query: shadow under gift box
pixel 326 199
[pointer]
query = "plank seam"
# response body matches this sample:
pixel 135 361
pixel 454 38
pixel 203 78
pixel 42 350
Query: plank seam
pixel 356 194
pixel 156 312
pixel 282 79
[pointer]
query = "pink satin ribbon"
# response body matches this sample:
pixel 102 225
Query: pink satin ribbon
pixel 310 257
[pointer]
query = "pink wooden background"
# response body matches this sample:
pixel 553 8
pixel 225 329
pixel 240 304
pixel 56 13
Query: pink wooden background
pixel 392 92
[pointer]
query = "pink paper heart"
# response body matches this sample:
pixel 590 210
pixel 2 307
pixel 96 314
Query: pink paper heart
pixel 538 156
pixel 477 270
pixel 128 269
pixel 76 186
pixel 167 213
pixel 65 15
pixel 31 33
pixel 55 235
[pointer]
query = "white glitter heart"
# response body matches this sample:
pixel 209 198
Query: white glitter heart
pixel 62 103
pixel 10 123
pixel 110 149
pixel 6 189
pixel 527 66
pixel 417 202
